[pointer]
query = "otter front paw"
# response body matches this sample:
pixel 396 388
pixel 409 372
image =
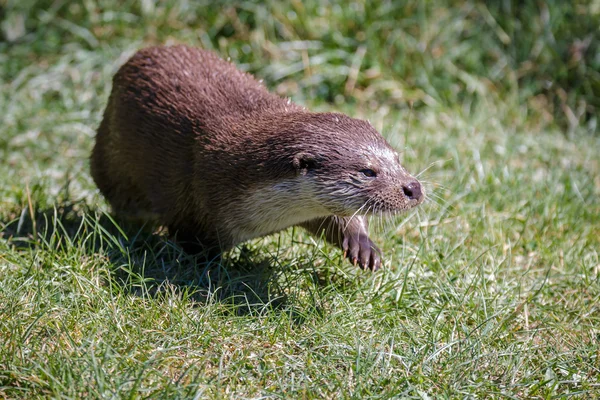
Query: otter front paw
pixel 360 249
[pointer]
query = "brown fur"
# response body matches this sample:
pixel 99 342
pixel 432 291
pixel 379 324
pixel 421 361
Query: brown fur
pixel 213 155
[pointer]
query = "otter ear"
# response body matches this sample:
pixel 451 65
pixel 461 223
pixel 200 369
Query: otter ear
pixel 303 162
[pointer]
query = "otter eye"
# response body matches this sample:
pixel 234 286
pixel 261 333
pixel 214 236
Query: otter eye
pixel 369 173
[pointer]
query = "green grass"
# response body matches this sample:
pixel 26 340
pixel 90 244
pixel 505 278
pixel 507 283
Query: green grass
pixel 491 290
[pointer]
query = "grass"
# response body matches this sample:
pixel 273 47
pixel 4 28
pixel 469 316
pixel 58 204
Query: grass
pixel 491 290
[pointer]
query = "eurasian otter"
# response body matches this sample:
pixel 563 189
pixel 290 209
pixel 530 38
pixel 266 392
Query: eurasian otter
pixel 208 152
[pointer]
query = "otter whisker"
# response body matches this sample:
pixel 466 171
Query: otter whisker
pixel 431 165
pixel 432 188
pixel 355 213
pixel 435 185
pixel 436 199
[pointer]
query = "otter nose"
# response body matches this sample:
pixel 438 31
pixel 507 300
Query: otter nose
pixel 412 190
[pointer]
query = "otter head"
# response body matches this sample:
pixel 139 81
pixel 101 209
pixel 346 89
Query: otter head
pixel 350 168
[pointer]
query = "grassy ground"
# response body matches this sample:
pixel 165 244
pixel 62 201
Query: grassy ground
pixel 492 289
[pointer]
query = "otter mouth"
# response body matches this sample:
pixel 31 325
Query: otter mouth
pixel 377 209
pixel 405 198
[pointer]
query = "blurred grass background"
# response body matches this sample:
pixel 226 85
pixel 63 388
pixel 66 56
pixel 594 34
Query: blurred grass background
pixel 540 57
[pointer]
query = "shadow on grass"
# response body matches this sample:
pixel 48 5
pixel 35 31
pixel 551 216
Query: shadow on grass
pixel 146 263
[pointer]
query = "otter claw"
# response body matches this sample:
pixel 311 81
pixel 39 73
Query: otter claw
pixel 365 258
pixel 375 260
pixel 361 251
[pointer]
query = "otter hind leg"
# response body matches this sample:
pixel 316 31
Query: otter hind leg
pixel 110 173
pixel 351 235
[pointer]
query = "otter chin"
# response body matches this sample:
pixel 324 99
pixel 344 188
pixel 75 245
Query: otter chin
pixel 197 145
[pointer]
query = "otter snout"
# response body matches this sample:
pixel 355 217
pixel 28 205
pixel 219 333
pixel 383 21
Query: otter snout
pixel 413 191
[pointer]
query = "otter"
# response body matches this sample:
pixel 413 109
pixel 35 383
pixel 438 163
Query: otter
pixel 190 142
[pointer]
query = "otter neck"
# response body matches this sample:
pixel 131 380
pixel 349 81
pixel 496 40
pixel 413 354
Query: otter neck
pixel 272 207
